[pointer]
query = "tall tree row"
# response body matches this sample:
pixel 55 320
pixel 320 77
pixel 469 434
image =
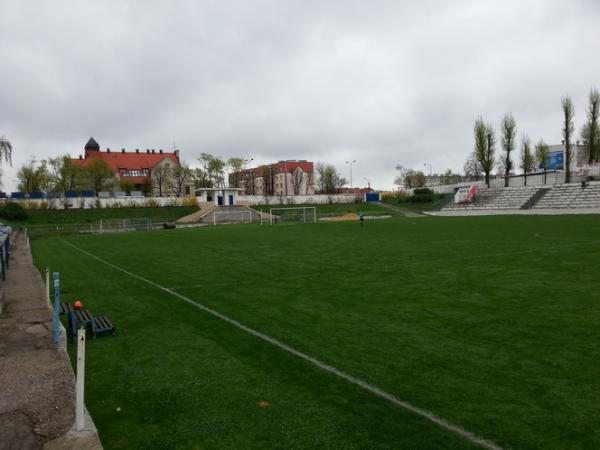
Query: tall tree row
pixel 591 130
pixel 485 143
pixel 508 132
pixel 527 159
pixel 567 132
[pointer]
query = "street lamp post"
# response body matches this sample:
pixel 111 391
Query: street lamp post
pixel 350 164
pixel 430 171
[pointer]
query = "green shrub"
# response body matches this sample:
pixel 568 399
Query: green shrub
pixel 422 198
pixel 13 211
pixel 422 191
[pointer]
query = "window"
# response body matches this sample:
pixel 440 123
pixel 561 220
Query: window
pixel 134 173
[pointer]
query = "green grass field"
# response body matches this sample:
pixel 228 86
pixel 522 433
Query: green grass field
pixel 490 323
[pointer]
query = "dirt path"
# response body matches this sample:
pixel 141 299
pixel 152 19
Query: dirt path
pixel 399 210
pixel 37 400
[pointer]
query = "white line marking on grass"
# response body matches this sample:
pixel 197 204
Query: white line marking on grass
pixel 449 426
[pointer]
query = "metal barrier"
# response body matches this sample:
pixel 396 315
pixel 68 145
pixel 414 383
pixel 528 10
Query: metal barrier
pixel 4 250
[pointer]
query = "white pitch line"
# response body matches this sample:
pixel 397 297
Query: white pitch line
pixel 443 423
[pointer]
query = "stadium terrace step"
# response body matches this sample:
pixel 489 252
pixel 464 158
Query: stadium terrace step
pixel 534 197
pixel 507 198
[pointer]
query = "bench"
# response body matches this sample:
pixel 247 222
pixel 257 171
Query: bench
pixel 79 317
pixel 102 324
pixel 66 308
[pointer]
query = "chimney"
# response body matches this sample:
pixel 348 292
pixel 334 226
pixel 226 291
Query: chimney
pixel 80 157
pixel 108 150
pixel 160 151
pixel 147 150
pixel 137 150
pixel 153 151
pixel 122 150
pixel 176 152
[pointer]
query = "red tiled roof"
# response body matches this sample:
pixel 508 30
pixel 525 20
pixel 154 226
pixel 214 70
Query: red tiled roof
pixel 128 161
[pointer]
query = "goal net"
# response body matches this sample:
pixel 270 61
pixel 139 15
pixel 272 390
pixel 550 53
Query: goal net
pixel 298 214
pixel 223 217
pixel 108 225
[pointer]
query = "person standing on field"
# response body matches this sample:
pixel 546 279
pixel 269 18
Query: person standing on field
pixel 361 217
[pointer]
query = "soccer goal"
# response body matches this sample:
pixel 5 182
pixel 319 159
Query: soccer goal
pixel 111 225
pixel 222 217
pixel 296 214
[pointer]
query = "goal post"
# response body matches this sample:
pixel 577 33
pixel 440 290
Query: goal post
pixel 302 214
pixel 138 224
pixel 220 217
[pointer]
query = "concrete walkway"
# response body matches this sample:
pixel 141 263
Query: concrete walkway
pixel 509 212
pixel 399 210
pixel 37 399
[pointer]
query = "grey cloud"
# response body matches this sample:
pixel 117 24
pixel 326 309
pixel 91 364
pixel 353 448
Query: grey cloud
pixel 382 82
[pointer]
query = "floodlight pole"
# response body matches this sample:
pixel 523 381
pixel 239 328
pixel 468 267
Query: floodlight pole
pixel 350 164
pixel 430 171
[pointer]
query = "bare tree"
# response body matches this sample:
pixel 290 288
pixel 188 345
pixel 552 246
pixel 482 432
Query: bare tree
pixel 6 150
pixel 99 174
pixel 485 142
pixel 180 177
pixel 329 181
pixel 249 182
pixel 542 156
pixel 508 131
pixel 63 174
pixel 591 130
pixel 268 177
pixel 32 178
pixel 236 165
pixel 309 181
pixel 567 132
pixel 297 177
pixel 472 167
pixel 526 158
pixel 409 178
pixel 160 179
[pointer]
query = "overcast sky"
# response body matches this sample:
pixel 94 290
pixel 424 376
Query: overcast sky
pixel 381 82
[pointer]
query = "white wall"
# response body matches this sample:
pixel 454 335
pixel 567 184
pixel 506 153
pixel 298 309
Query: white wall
pixel 533 179
pixel 298 199
pixel 88 203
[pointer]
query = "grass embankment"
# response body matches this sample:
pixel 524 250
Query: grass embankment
pixel 488 322
pixel 50 217
pixel 404 203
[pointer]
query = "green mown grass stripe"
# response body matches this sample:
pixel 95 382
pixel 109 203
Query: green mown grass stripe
pixel 449 426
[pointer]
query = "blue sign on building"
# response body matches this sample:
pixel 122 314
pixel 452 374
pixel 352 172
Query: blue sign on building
pixel 556 161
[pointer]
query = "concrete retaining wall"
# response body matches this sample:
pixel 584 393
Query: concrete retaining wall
pixel 252 200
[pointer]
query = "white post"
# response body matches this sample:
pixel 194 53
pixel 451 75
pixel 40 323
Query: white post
pixel 48 286
pixel 79 414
